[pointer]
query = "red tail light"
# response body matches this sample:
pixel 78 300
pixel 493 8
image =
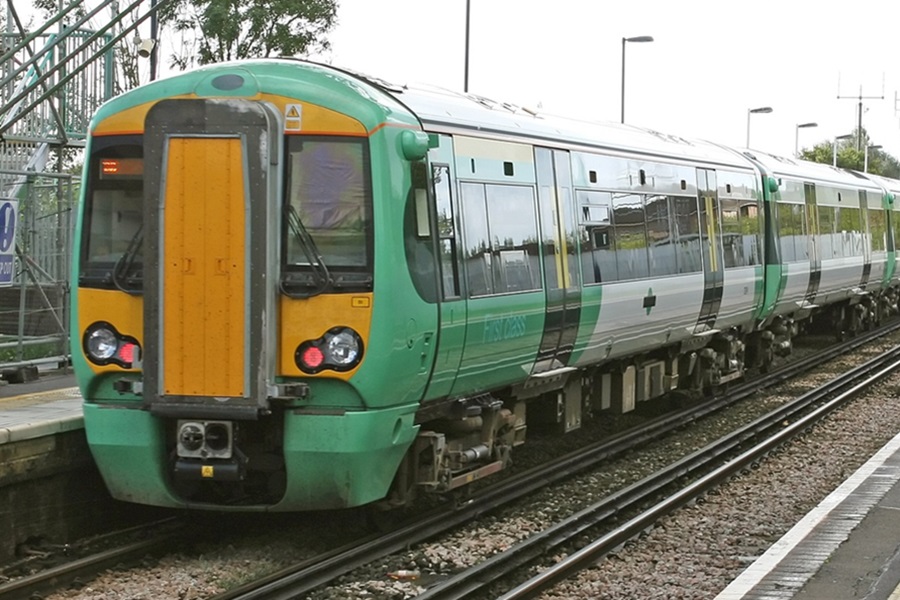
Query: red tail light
pixel 312 357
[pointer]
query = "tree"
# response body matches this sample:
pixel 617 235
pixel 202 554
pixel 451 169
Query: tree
pixel 850 157
pixel 222 30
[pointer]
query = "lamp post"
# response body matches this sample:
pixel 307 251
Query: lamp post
pixel 154 35
pixel 866 159
pixel 797 136
pixel 466 75
pixel 838 138
pixel 640 38
pixel 755 111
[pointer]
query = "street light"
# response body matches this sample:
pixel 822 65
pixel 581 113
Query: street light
pixel 755 111
pixel 866 159
pixel 834 146
pixel 466 74
pixel 797 136
pixel 640 38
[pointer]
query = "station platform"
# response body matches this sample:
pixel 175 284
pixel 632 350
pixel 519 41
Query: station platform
pixel 47 406
pixel 847 547
pixel 50 488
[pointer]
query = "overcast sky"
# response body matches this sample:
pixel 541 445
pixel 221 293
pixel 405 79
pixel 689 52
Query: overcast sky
pixel 709 63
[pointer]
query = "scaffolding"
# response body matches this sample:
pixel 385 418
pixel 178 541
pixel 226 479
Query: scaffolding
pixel 52 81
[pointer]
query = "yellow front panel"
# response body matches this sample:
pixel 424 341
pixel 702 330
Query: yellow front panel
pixel 309 318
pixel 204 229
pixel 124 311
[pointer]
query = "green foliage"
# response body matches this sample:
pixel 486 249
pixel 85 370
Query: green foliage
pixel 222 30
pixel 50 8
pixel 851 154
pixel 30 352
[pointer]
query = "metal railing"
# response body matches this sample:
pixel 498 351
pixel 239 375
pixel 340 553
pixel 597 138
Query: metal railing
pixel 44 117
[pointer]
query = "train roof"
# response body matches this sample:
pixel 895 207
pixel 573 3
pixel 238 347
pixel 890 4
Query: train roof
pixel 891 185
pixel 442 109
pixel 783 166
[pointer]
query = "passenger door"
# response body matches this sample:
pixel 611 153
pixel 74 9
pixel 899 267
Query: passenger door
pixel 444 211
pixel 711 247
pixel 562 277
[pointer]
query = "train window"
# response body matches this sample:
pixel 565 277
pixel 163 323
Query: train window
pixel 788 230
pixel 418 241
pixel 476 251
pixel 750 230
pixel 446 230
pixel 595 214
pixel 895 227
pixel 792 232
pixel 630 231
pixel 114 200
pixel 740 232
pixel 513 228
pixel 500 233
pixel 663 259
pixel 116 216
pixel 598 258
pixel 328 187
pixel 827 236
pixel 686 221
pixel 851 230
pixel 878 229
pixel 732 240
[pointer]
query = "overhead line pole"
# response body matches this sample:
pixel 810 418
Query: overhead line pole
pixel 859 110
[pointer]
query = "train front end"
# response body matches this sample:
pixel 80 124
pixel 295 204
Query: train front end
pixel 231 339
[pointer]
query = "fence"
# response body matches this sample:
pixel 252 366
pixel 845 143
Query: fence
pixel 50 86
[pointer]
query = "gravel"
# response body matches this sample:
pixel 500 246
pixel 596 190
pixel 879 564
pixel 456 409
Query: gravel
pixel 691 555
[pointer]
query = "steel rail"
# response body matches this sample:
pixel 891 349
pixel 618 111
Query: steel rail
pixel 846 387
pixel 294 581
pixel 55 578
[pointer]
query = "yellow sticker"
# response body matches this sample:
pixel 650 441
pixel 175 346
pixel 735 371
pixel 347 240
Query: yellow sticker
pixel 293 117
pixel 206 470
pixel 359 302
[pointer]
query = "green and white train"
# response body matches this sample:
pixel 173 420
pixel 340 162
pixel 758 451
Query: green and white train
pixel 300 288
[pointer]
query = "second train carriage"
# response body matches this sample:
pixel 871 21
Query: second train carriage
pixel 832 227
pixel 299 288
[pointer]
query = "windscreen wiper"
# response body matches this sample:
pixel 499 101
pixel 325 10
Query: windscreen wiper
pixel 313 256
pixel 122 273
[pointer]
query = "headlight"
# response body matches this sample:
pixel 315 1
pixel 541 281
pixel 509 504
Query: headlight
pixel 104 345
pixel 340 349
pixel 101 343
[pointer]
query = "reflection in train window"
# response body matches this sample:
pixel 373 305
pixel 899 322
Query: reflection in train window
pixel 630 236
pixel 501 239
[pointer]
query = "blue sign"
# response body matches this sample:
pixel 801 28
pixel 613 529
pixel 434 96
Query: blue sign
pixel 7 241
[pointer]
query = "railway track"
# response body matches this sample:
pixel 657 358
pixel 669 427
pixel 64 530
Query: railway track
pixel 707 468
pixel 154 538
pixel 304 577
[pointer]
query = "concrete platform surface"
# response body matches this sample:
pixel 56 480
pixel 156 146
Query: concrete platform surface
pixel 848 547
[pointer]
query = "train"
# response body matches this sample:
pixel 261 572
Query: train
pixel 300 288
